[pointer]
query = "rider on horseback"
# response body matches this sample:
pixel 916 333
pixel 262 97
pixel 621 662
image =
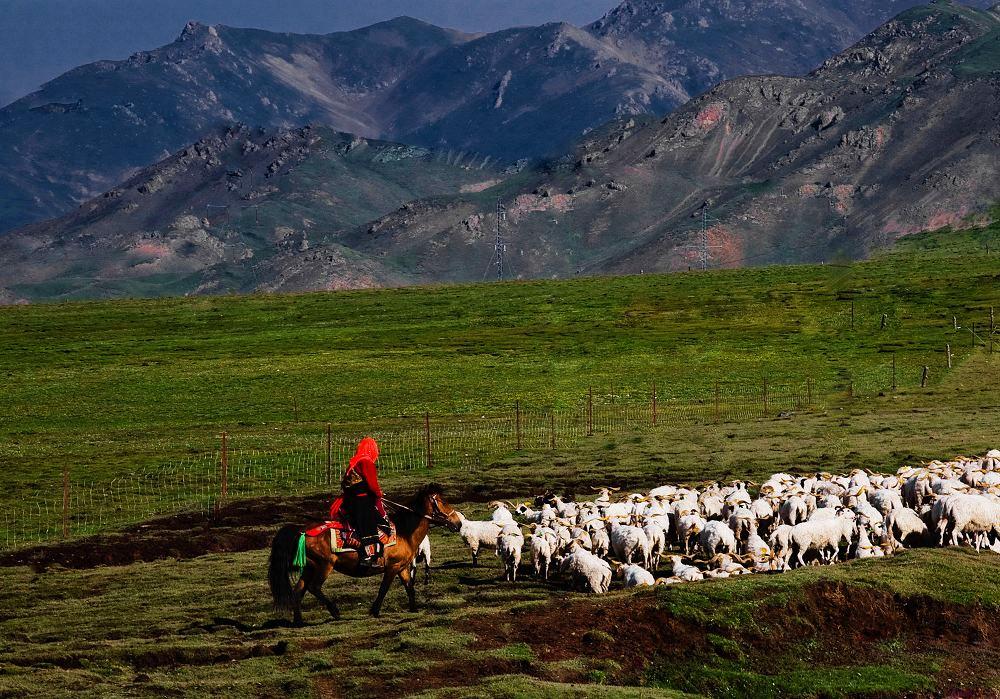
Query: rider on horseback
pixel 362 501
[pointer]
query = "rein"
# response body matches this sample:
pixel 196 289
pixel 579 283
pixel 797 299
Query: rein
pixel 438 520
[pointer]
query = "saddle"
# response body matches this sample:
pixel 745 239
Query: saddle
pixel 343 537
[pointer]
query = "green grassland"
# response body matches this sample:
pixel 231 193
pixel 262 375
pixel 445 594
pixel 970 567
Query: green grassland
pixel 108 387
pixel 111 385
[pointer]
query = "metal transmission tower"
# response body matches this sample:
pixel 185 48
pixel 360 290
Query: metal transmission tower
pixel 500 246
pixel 702 248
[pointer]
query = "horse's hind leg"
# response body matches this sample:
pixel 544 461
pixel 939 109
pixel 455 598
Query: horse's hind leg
pixel 409 580
pixel 299 591
pixel 315 586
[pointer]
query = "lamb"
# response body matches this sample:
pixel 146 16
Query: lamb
pixel 509 545
pixel 635 576
pixel 541 555
pixel 586 569
pixel 600 542
pixel 726 564
pixel 715 538
pixel 477 535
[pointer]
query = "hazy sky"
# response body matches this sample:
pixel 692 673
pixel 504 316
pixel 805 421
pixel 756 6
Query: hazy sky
pixel 39 39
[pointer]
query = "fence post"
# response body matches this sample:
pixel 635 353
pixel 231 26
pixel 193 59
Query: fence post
pixel 809 391
pixel 329 456
pixel 923 377
pixel 993 324
pixel 947 352
pixel 717 412
pixel 427 438
pixel 885 319
pixel 65 502
pixel 552 426
pixel 850 388
pixel 590 411
pixel 852 314
pixel 224 491
pixel 973 334
pixel 517 423
pixel 893 371
pixel 764 391
pixel 654 404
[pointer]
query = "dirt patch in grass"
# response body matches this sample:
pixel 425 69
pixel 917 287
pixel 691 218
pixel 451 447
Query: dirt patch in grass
pixel 831 624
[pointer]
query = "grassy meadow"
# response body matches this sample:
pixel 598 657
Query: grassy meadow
pixel 110 387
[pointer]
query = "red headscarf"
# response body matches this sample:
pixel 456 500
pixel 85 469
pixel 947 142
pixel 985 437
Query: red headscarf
pixel 367 451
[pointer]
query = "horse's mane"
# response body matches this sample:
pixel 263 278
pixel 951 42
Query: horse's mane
pixel 407 521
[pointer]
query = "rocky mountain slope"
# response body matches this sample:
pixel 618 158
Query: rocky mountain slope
pixel 900 133
pixel 244 209
pixel 518 93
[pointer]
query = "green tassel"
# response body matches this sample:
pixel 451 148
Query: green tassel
pixel 300 554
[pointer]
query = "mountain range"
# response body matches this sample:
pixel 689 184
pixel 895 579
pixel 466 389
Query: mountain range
pixel 896 134
pixel 521 93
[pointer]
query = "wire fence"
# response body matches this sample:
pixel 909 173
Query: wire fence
pixel 203 483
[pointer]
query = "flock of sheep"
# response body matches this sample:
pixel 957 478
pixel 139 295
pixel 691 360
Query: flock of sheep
pixel 718 531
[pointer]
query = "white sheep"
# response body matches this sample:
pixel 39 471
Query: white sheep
pixel 541 555
pixel 688 528
pixel 423 554
pixel 628 543
pixel 510 541
pixel 823 536
pixel 683 571
pixel 477 534
pixel 794 510
pixel 586 569
pixel 902 524
pixel 657 541
pixel 635 576
pixel 715 538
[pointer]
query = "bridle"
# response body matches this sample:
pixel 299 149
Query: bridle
pixel 437 518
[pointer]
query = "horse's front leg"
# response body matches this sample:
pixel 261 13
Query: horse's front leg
pixel 382 590
pixel 409 581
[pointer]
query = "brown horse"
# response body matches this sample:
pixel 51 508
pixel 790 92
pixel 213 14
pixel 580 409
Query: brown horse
pixel 412 521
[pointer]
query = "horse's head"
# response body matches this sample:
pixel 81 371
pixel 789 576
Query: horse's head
pixel 438 510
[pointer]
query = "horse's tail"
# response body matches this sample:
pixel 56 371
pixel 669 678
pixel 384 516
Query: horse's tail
pixel 287 558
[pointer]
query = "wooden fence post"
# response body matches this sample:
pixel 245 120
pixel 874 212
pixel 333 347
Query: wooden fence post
pixel 809 391
pixel 65 502
pixel 993 324
pixel 885 319
pixel 764 392
pixel 590 411
pixel 717 412
pixel 947 352
pixel 552 429
pixel 224 491
pixel 329 456
pixel 923 377
pixel 893 371
pixel 852 314
pixel 654 404
pixel 427 438
pixel 850 388
pixel 517 423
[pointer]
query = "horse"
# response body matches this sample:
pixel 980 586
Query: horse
pixel 412 521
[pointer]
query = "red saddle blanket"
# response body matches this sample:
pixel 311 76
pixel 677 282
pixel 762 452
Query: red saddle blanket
pixel 343 537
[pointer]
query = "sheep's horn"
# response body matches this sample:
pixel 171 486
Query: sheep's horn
pixel 614 490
